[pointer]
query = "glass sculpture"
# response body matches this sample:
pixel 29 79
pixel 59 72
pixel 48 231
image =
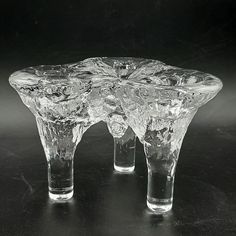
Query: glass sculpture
pixel 134 96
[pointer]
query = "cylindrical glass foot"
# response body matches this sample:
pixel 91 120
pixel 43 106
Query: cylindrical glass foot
pixel 124 152
pixel 124 169
pixel 162 146
pixel 59 140
pixel 158 206
pixel 60 178
pixel 159 192
pixel 56 195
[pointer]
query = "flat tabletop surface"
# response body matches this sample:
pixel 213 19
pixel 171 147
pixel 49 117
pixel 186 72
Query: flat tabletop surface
pixel 107 203
pixel 197 35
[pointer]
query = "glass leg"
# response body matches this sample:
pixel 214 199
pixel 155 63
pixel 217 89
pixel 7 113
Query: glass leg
pixel 124 152
pixel 162 143
pixel 59 140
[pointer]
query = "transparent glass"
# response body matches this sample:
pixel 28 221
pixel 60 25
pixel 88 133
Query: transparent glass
pixel 124 152
pixel 134 96
pixel 59 103
pixel 124 142
pixel 160 102
pixel 59 144
pixel 162 147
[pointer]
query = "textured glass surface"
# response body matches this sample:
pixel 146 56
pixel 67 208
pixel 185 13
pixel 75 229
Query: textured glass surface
pixel 133 96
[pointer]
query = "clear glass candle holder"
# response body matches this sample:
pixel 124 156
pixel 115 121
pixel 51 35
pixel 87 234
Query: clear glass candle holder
pixel 136 97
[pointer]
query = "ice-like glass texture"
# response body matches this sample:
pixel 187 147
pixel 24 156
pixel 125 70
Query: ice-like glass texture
pixel 133 96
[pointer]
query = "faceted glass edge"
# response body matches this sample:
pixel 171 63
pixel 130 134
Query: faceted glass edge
pixel 136 71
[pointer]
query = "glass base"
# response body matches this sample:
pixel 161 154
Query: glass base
pixel 122 169
pixel 158 206
pixel 60 196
